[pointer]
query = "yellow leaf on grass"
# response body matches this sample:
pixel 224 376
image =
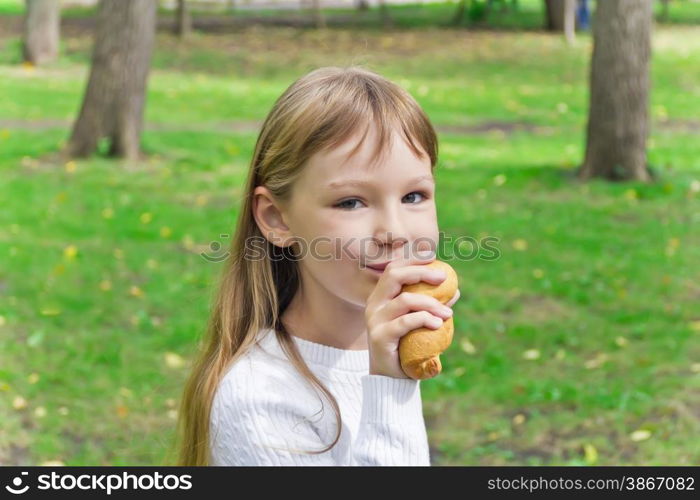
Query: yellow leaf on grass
pixel 146 217
pixel 19 403
pixel 122 411
pixel 50 311
pixel 590 454
pixel 33 378
pixel 531 354
pixel 467 346
pixel 520 244
pixel 70 252
pixel 640 435
pixel 174 360
pixel 631 194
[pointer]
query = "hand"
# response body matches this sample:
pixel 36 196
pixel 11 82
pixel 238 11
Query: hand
pixel 390 313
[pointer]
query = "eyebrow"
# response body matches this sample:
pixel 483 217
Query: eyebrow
pixel 359 183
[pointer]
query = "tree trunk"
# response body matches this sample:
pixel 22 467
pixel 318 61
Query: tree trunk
pixel 555 10
pixel 183 25
pixel 619 102
pixel 362 5
pixel 459 13
pixel 114 101
pixel 319 18
pixel 387 21
pixel 570 20
pixel 41 31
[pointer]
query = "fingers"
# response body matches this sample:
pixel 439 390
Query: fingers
pixel 396 275
pixel 454 299
pixel 407 302
pixel 400 326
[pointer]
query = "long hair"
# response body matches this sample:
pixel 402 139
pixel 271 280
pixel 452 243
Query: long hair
pixel 318 112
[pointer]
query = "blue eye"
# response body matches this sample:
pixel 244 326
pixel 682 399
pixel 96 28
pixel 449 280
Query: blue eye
pixel 417 192
pixel 342 205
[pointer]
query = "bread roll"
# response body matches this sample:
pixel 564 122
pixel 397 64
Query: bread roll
pixel 420 349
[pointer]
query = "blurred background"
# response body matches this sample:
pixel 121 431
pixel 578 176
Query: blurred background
pixel 126 131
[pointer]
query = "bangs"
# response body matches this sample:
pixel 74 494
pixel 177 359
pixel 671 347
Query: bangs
pixel 348 102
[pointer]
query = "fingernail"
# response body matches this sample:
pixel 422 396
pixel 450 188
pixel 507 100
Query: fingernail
pixel 424 254
pixel 446 310
pixel 435 321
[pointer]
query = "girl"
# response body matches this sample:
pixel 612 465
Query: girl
pixel 341 183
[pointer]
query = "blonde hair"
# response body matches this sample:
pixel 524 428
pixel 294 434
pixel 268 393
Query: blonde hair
pixel 319 111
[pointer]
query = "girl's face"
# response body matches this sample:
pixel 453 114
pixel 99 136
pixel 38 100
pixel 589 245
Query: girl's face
pixel 345 213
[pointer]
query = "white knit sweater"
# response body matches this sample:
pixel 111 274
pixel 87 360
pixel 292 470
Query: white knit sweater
pixel 263 402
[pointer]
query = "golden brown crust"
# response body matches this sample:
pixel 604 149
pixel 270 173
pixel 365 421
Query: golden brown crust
pixel 420 349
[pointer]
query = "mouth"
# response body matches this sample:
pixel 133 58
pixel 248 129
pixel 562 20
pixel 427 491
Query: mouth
pixel 378 268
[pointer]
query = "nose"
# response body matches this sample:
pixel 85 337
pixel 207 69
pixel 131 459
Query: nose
pixel 390 228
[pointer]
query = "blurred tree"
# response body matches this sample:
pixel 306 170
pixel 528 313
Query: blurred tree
pixel 570 20
pixel 319 18
pixel 387 21
pixel 316 12
pixel 114 100
pixel 478 10
pixel 183 24
pixel 619 96
pixel 41 31
pixel 362 4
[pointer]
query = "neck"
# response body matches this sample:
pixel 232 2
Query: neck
pixel 316 315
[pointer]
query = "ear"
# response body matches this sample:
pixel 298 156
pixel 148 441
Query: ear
pixel 269 215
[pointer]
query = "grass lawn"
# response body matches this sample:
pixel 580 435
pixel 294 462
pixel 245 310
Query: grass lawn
pixel 578 345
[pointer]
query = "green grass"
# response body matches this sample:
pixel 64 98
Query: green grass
pixel 597 282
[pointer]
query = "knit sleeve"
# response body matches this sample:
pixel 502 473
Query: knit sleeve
pixel 392 429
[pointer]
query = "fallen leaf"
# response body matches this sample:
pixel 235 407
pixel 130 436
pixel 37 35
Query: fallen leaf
pixel 590 454
pixel 122 411
pixel 70 252
pixel 174 360
pixel 520 244
pixel 531 354
pixel 640 435
pixel 467 346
